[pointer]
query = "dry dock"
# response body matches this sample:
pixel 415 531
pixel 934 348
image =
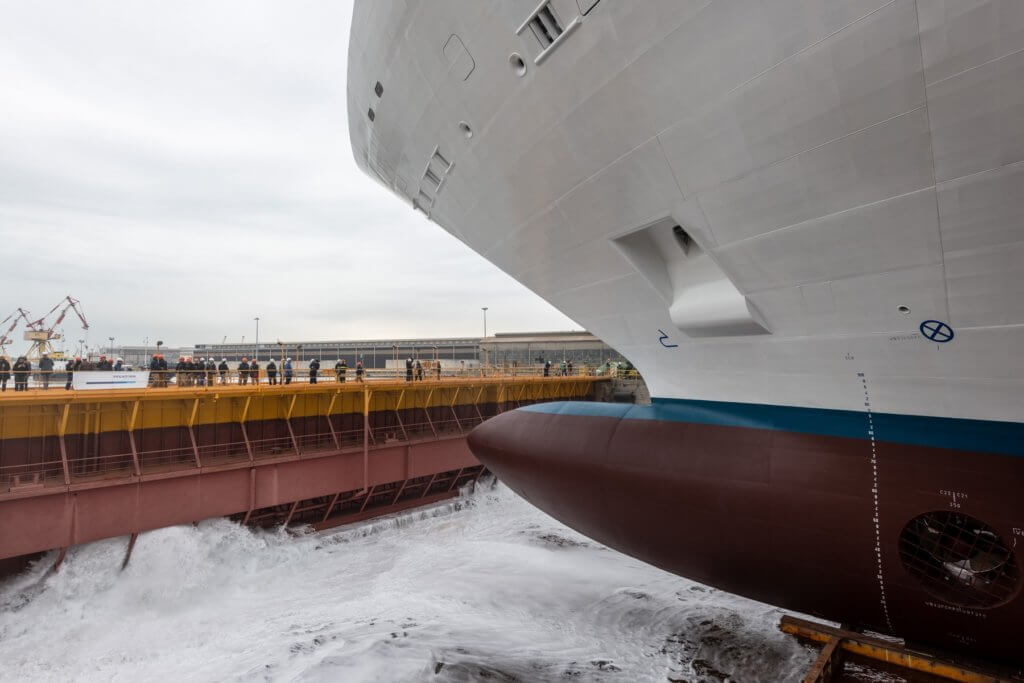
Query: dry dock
pixel 78 466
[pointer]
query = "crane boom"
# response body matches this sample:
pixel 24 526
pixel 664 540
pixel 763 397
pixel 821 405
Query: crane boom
pixel 18 315
pixel 42 336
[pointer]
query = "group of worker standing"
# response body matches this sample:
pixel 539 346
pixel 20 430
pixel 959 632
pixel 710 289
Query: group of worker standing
pixel 22 369
pixel 414 369
pixel 191 372
pixel 207 372
pixel 565 369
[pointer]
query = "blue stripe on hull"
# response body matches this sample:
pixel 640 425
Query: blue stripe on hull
pixel 1006 438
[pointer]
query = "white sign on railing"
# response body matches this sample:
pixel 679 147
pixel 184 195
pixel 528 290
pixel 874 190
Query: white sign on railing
pixel 102 379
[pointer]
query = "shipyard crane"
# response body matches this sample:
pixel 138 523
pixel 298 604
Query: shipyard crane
pixel 16 317
pixel 43 336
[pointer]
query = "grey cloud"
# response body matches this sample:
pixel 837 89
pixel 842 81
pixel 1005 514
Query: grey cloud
pixel 183 167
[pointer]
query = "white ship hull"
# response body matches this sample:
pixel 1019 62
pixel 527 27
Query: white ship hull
pixel 836 161
pixel 796 204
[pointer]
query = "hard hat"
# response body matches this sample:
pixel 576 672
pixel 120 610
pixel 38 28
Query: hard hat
pixel 289 358
pixel 120 360
pixel 223 360
pixel 78 358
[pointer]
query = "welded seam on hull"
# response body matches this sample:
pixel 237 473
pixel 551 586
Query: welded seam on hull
pixel 877 512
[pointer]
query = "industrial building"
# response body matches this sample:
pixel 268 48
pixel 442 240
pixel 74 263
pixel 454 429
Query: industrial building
pixel 531 348
pixel 373 352
pixel 138 356
pixel 500 349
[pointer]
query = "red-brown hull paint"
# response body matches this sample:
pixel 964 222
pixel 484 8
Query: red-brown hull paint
pixel 59 516
pixel 783 517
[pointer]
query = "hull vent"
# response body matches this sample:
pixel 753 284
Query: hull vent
pixel 548 29
pixel 545 26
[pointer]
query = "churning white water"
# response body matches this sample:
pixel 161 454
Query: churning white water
pixel 483 588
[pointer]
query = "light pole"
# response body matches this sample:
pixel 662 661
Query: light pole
pixel 484 349
pixel 256 355
pixel 111 346
pixel 145 350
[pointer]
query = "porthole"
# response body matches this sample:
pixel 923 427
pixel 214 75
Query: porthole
pixel 371 115
pixel 959 559
pixel 378 89
pixel 905 310
pixel 465 129
pixel 517 64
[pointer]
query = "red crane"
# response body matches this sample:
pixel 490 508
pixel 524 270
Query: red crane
pixel 42 337
pixel 16 317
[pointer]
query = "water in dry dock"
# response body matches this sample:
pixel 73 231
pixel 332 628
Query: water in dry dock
pixel 485 588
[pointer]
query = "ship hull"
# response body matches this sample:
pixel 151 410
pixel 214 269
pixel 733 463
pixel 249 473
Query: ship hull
pixel 808 206
pixel 780 505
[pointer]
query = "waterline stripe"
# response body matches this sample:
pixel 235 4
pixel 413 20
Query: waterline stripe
pixel 988 436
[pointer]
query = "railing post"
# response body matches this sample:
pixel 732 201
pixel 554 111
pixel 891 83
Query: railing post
pixel 192 431
pixel 245 433
pixel 62 427
pixel 429 484
pixel 476 403
pixel 330 507
pixel 451 406
pixel 330 425
pixel 291 512
pixel 366 437
pixel 456 479
pixel 131 437
pixel 426 411
pixel 288 423
pixel 398 405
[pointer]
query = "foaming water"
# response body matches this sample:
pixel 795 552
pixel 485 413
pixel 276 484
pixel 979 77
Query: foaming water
pixel 485 587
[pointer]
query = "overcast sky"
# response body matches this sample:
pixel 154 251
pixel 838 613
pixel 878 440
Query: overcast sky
pixel 183 167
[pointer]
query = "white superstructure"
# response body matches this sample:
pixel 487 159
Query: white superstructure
pixel 753 201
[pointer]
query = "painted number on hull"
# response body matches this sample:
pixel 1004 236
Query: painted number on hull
pixel 956 498
pixel 664 340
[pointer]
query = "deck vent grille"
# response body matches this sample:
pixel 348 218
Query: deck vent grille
pixel 545 26
pixel 959 559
